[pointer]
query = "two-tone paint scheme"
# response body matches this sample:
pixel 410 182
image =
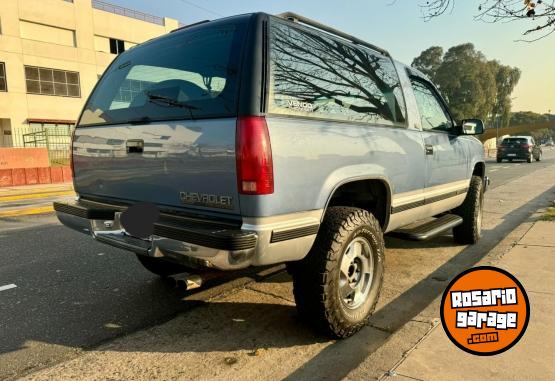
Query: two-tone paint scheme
pixel 415 173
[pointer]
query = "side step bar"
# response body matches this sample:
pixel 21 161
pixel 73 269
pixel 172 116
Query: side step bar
pixel 429 229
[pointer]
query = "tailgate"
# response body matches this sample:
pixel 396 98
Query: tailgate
pixel 160 125
pixel 185 164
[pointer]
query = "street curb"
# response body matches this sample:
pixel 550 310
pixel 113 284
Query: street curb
pixel 27 212
pixel 38 195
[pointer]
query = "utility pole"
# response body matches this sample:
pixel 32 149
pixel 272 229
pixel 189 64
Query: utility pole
pixel 497 123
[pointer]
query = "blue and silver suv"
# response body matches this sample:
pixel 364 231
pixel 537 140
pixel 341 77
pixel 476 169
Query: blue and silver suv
pixel 257 139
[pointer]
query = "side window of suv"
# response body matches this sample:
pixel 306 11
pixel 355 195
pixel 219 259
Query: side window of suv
pixel 432 112
pixel 315 75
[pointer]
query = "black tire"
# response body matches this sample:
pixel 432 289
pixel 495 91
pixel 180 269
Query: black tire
pixel 162 267
pixel 539 158
pixel 471 211
pixel 529 159
pixel 499 160
pixel 317 279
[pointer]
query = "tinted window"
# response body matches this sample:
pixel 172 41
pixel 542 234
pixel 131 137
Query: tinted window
pixel 3 85
pixel 515 141
pixel 432 112
pixel 319 76
pixel 116 46
pixel 46 81
pixel 188 74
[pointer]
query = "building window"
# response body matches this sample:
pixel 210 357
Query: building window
pixel 3 81
pixel 116 46
pixel 45 81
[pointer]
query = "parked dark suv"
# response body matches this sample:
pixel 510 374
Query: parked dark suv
pixel 519 148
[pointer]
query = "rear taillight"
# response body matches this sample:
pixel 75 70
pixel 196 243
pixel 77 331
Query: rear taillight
pixel 255 170
pixel 527 146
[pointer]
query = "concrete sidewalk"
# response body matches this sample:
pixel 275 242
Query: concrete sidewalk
pixel 34 189
pixel 32 199
pixel 532 261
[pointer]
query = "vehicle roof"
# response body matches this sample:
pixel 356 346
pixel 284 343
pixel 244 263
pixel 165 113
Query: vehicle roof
pixel 195 25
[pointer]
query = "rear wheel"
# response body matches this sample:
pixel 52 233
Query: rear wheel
pixel 539 157
pixel 337 285
pixel 529 159
pixel 471 211
pixel 161 267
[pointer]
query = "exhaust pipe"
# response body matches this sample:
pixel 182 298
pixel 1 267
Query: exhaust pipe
pixel 186 281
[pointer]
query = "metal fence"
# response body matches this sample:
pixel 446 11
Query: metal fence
pixel 116 9
pixel 56 139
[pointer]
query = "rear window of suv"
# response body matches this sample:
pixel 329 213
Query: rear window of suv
pixel 515 141
pixel 185 75
pixel 316 75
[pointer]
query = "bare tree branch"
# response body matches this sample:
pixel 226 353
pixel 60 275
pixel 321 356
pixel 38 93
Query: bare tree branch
pixel 541 13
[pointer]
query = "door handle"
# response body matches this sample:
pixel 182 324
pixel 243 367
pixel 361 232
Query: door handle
pixel 135 146
pixel 429 149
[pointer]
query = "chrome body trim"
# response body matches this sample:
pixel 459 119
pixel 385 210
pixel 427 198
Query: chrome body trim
pixel 299 226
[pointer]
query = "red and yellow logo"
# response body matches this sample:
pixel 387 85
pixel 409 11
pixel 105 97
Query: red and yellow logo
pixel 485 311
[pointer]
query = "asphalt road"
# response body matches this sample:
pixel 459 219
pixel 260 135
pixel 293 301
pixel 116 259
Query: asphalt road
pixel 72 294
pixel 501 173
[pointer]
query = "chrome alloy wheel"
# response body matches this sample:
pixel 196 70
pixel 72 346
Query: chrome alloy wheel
pixel 356 273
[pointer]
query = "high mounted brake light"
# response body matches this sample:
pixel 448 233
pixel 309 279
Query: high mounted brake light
pixel 255 170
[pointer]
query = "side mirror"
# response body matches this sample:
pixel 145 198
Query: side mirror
pixel 472 127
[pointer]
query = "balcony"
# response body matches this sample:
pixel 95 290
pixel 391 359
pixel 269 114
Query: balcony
pixel 116 9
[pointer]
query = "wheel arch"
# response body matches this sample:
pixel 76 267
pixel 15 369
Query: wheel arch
pixel 479 169
pixel 372 194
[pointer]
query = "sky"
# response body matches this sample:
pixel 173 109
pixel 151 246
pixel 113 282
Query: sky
pixel 398 26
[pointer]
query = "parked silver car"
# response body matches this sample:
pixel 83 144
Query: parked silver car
pixel 254 140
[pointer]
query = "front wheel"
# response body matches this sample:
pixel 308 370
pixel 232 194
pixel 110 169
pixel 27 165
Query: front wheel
pixel 337 285
pixel 471 211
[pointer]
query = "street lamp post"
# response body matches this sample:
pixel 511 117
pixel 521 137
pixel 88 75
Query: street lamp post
pixel 497 131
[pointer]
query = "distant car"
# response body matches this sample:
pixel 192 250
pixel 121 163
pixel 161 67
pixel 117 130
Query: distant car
pixel 549 143
pixel 519 148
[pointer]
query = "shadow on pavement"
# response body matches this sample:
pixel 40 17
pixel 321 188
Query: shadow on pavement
pixel 238 323
pixel 410 303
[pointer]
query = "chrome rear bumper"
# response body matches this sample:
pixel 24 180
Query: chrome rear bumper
pixel 258 241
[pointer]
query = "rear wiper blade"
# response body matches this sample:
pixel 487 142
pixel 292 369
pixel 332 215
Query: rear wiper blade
pixel 170 101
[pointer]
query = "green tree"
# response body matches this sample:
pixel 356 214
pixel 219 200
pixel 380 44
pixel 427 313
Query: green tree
pixel 530 118
pixel 542 134
pixel 429 61
pixel 467 82
pixel 527 117
pixel 506 78
pixel 473 86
